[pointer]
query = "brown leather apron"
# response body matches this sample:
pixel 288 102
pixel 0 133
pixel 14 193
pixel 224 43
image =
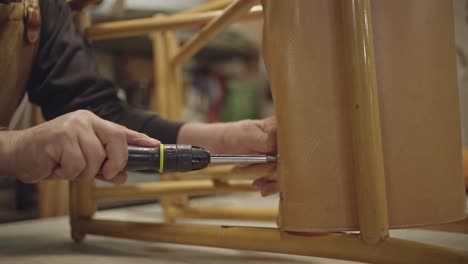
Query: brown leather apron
pixel 19 32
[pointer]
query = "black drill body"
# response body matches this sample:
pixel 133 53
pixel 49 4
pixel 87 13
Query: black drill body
pixel 175 158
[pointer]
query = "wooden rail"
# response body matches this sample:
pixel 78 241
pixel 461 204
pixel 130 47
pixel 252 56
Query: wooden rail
pixel 135 27
pixel 232 172
pixel 158 189
pixel 236 9
pixel 339 246
pixel 226 213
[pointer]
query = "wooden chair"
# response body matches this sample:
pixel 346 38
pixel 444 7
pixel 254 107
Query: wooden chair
pixel 372 244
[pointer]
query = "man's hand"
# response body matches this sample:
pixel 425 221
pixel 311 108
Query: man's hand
pixel 74 146
pixel 241 137
pixel 249 137
pixel 253 137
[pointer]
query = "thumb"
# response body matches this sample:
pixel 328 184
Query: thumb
pixel 263 139
pixel 140 139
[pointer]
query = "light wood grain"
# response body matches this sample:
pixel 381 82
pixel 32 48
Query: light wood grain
pixel 135 27
pixel 171 187
pixel 339 246
pixel 369 180
pixel 305 54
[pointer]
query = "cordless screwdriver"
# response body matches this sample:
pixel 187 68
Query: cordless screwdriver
pixel 183 158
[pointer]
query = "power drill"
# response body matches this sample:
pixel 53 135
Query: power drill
pixel 183 158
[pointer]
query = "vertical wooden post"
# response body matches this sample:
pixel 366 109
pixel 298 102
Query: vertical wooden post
pixel 53 198
pixel 367 141
pixel 160 98
pixel 167 101
pixel 175 85
pixel 82 206
pixel 176 94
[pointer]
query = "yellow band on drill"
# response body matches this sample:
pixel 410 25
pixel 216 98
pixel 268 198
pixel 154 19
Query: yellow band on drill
pixel 161 158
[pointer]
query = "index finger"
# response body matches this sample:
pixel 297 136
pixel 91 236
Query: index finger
pixel 140 139
pixel 113 138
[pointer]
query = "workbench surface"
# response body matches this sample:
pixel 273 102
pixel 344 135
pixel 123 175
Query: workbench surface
pixel 48 242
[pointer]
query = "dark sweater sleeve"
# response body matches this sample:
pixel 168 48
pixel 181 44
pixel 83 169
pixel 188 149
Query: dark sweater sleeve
pixel 64 78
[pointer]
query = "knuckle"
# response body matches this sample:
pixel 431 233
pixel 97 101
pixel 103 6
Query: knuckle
pixel 29 180
pixel 79 118
pixel 77 167
pixel 101 155
pixel 118 164
pixel 83 113
pixel 118 134
pixel 64 136
pixel 95 166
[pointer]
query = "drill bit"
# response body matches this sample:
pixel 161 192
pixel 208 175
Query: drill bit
pixel 217 158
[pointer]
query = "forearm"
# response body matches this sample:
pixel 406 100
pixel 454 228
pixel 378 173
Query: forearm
pixel 141 121
pixel 240 137
pixel 209 136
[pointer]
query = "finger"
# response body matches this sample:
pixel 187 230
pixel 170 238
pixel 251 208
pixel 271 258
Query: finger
pixel 270 123
pixel 94 154
pixel 121 178
pixel 72 162
pixel 260 139
pixel 140 139
pixel 113 137
pixel 260 182
pixel 269 188
pixel 100 177
pixel 270 126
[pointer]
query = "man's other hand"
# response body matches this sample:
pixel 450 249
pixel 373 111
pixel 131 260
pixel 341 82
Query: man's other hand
pixel 241 137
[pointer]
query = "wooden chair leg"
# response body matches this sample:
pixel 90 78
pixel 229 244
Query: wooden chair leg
pixel 82 206
pixel 167 102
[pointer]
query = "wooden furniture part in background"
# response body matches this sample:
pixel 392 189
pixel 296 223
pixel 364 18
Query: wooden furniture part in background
pixel 348 50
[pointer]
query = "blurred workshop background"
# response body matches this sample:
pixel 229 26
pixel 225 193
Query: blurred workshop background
pixel 226 81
